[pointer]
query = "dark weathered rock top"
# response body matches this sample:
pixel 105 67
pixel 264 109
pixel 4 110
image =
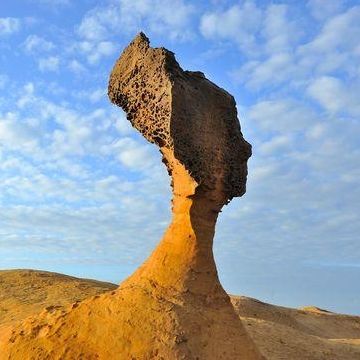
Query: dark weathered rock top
pixel 182 111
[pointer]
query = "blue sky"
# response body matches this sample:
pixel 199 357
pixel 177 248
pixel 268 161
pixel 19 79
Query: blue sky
pixel 82 193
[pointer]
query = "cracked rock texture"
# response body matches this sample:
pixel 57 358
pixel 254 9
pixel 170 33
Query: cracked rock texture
pixel 173 306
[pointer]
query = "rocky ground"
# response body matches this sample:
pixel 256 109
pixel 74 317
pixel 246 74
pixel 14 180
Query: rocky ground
pixel 278 332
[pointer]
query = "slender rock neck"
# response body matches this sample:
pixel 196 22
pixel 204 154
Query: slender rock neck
pixel 184 261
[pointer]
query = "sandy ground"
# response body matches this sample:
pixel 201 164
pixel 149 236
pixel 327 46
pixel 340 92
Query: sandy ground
pixel 27 292
pixel 278 332
pixel 307 333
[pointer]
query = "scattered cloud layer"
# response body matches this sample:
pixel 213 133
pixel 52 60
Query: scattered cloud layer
pixel 128 16
pixel 9 25
pixel 35 43
pixel 76 182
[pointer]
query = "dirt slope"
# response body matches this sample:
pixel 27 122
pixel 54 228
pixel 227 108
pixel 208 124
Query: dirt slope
pixel 299 334
pixel 27 292
pixel 279 332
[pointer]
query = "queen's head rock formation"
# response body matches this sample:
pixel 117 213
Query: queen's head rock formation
pixel 173 306
pixel 185 113
pixel 195 125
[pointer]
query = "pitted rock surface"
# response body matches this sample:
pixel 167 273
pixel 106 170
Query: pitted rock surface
pixel 182 111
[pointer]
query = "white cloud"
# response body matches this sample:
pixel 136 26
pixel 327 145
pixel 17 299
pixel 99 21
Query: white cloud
pixel 329 92
pixel 336 46
pixel 159 16
pixel 97 95
pixel 281 115
pixel 101 49
pixel 332 94
pixel 277 143
pixel 255 29
pixel 76 67
pixel 92 95
pixel 323 9
pixel 16 134
pixel 65 192
pixel 45 163
pixel 279 32
pixel 35 43
pixel 266 37
pixel 134 155
pixel 261 173
pixel 132 16
pixel 239 24
pixel 316 131
pixel 27 95
pixel 341 31
pixel 50 63
pixel 9 25
pixel 121 124
pixel 63 131
pixel 91 28
pixel 52 3
pixel 3 80
pixel 281 57
pixel 274 70
pixel 104 23
pixel 94 51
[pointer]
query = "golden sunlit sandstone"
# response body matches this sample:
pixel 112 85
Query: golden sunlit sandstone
pixel 27 292
pixel 280 333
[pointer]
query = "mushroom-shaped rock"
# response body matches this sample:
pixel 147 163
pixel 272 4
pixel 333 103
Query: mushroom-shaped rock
pixel 173 306
pixel 195 125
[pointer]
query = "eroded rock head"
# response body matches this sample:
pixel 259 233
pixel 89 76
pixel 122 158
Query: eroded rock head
pixel 182 111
